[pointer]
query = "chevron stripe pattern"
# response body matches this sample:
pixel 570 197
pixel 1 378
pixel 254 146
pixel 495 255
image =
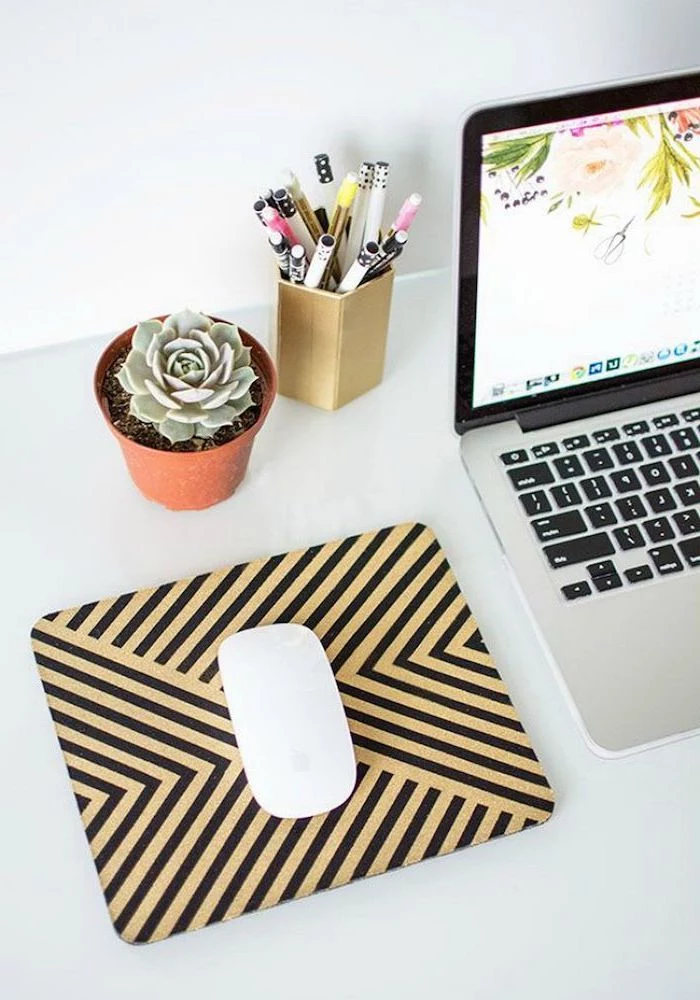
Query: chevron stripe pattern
pixel 135 695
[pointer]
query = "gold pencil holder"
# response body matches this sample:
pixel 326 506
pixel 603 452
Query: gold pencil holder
pixel 330 347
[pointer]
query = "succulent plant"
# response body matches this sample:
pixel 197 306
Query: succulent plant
pixel 188 375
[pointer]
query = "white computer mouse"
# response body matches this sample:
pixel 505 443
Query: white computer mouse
pixel 288 718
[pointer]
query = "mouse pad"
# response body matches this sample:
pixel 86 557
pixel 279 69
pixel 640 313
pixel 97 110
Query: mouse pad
pixel 135 695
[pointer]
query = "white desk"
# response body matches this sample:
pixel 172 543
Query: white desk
pixel 601 902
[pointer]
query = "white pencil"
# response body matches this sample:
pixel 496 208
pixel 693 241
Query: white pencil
pixel 319 261
pixel 359 213
pixel 365 258
pixel 375 206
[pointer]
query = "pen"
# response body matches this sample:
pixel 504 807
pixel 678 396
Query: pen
pixel 322 218
pixel 291 182
pixel 280 245
pixel 288 210
pixel 319 261
pixel 273 220
pixel 407 214
pixel 387 256
pixel 298 264
pixel 359 213
pixel 365 258
pixel 375 205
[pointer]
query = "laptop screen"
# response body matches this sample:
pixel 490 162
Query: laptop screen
pixel 588 252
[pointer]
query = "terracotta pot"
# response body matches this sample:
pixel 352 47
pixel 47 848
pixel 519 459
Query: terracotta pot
pixel 189 480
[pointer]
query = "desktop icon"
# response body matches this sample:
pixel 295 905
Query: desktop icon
pixel 578 372
pixel 497 390
pixel 629 360
pixel 663 354
pixel 680 349
pixel 612 364
pixel 646 358
pixel 696 346
pixel 595 368
pixel 550 379
pixel 533 383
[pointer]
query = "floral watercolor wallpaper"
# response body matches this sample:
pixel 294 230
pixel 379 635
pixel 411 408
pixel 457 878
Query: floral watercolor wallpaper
pixel 651 162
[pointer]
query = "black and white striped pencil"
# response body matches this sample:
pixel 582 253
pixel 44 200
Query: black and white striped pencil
pixel 298 264
pixel 259 207
pixel 280 246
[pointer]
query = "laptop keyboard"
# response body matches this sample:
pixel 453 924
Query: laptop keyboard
pixel 633 488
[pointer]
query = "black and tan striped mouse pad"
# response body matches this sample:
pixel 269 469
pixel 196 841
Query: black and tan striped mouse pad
pixel 135 694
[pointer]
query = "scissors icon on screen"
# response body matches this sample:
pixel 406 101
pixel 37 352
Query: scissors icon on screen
pixel 610 249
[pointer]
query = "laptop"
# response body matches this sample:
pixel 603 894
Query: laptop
pixel 578 386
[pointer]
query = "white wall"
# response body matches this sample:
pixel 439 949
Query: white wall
pixel 135 134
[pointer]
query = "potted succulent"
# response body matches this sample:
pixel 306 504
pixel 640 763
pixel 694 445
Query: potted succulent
pixel 185 396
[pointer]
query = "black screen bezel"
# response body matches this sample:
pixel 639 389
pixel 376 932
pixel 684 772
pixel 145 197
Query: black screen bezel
pixel 533 112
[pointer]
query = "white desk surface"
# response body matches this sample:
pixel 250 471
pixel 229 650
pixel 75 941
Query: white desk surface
pixel 603 901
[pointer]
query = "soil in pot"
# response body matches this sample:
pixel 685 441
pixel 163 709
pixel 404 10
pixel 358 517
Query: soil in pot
pixel 118 400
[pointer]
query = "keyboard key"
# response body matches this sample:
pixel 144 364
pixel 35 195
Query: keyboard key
pixel 604 568
pixel 573 590
pixel 603 583
pixel 690 548
pixel 638 427
pixel 542 450
pixel 595 488
pixel 559 525
pixel 514 457
pixel 655 473
pixel 573 443
pixel 687 521
pixel 666 560
pixel 526 476
pixel 627 452
pixel 683 466
pixel 577 550
pixel 638 573
pixel 667 420
pixel 626 481
pixel 656 445
pixel 568 466
pixel 601 515
pixel 597 459
pixel 566 495
pixel 688 493
pixel 629 537
pixel 535 503
pixel 609 434
pixel 658 529
pixel 691 415
pixel 685 438
pixel 631 508
pixel 660 500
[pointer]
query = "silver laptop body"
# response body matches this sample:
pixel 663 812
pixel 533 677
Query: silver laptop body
pixel 578 387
